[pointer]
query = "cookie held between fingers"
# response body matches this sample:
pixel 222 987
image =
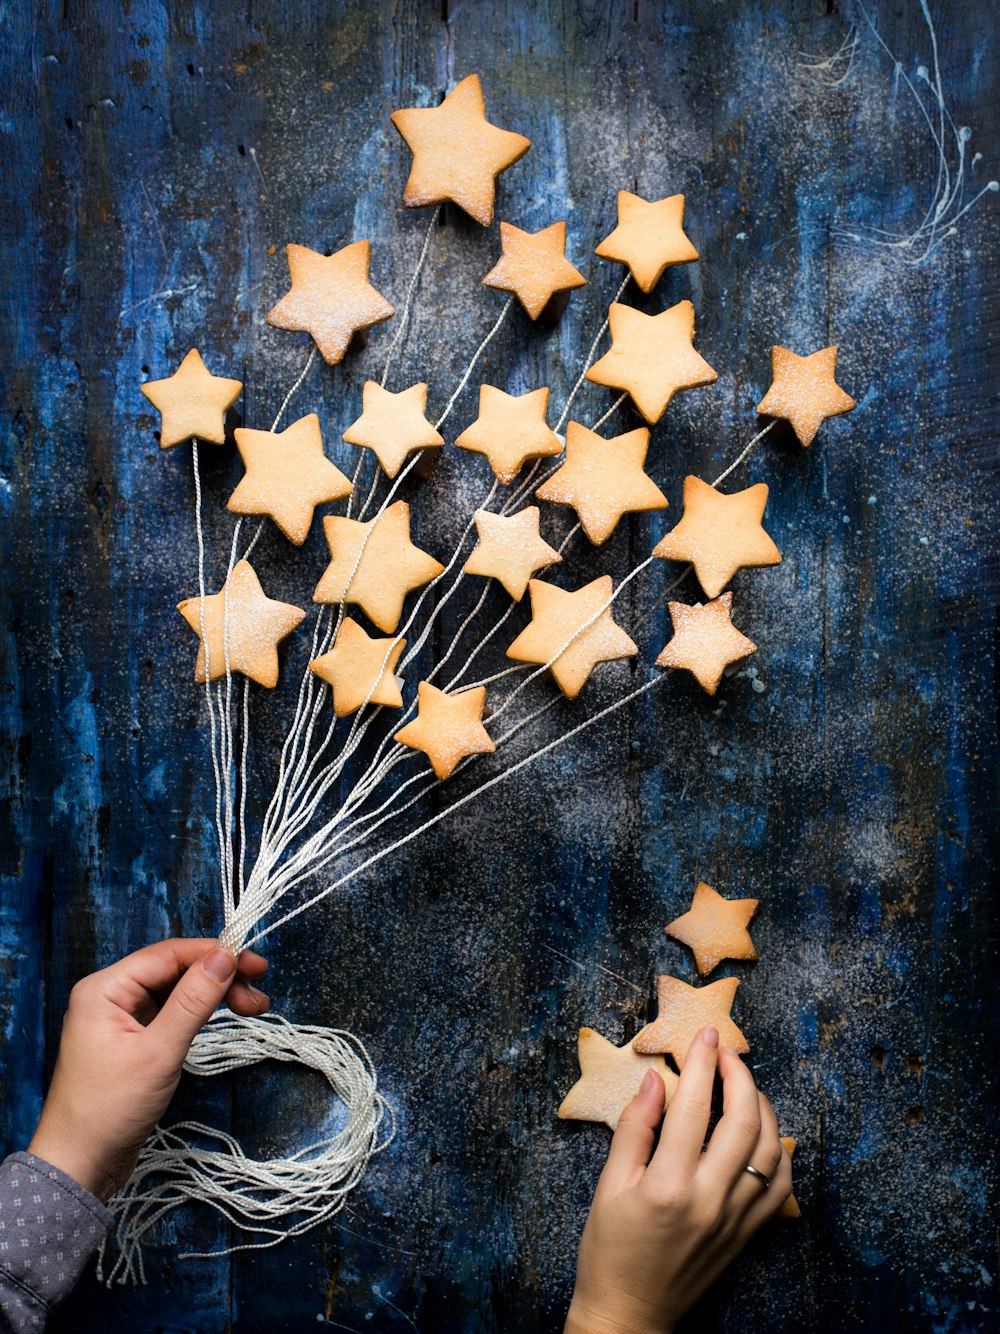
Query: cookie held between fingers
pixel 610 1077
pixel 652 357
pixel 360 668
pixel 804 392
pixel 287 476
pixel 720 534
pixel 649 237
pixel 447 728
pixel 557 614
pixel 192 402
pixel 534 267
pixel 510 430
pixel 715 928
pixel 684 1011
pixel 393 426
pixel 330 297
pixel 790 1207
pixel 510 549
pixel 705 641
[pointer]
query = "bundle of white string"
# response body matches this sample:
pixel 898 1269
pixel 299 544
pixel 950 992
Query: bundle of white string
pixel 181 1163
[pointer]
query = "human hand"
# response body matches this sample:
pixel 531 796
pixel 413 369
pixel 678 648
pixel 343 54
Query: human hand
pixel 665 1223
pixel 126 1033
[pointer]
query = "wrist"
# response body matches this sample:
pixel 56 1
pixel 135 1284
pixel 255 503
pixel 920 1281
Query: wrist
pixel 59 1150
pixel 610 1318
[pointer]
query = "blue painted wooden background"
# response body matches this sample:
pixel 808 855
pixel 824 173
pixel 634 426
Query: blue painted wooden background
pixel 156 159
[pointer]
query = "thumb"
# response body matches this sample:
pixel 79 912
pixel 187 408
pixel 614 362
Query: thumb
pixel 192 1002
pixel 632 1143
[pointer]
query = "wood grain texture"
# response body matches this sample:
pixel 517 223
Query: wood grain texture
pixel 156 159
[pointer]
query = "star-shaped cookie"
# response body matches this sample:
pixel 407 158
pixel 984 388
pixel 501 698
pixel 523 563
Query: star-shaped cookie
pixel 705 641
pixel 649 237
pixel 533 265
pixel 610 1077
pixel 510 430
pixel 683 1011
pixel 390 565
pixel 192 402
pixel 652 357
pixel 287 476
pixel 252 625
pixel 790 1207
pixel 556 615
pixel 804 391
pixel 510 548
pixel 457 153
pixel 603 480
pixel 715 928
pixel 392 425
pixel 330 297
pixel 447 727
pixel 720 534
pixel 360 668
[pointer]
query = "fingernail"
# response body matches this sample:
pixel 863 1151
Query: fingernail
pixel 710 1037
pixel 647 1082
pixel 258 997
pixel 220 965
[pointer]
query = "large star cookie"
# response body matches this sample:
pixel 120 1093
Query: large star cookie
pixel 610 1077
pixel 683 1011
pixel 804 391
pixel 720 534
pixel 556 616
pixel 533 265
pixel 192 402
pixel 388 564
pixel 510 430
pixel 246 621
pixel 715 928
pixel 705 641
pixel 652 357
pixel 330 297
pixel 360 668
pixel 457 153
pixel 287 476
pixel 603 480
pixel 649 237
pixel 447 727
pixel 392 425
pixel 510 549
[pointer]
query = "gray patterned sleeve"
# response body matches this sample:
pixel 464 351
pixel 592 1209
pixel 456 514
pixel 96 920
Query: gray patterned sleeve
pixel 49 1227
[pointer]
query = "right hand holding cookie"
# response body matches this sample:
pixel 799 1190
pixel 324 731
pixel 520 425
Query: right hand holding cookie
pixel 665 1222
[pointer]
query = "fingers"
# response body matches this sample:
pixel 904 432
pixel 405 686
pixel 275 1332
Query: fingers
pixel 748 1191
pixel 769 1201
pixel 244 999
pixel 686 1122
pixel 632 1142
pixel 131 980
pixel 735 1137
pixel 192 1002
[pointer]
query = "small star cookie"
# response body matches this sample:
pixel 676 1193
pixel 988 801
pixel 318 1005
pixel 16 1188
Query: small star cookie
pixel 510 430
pixel 683 1011
pixel 192 402
pixel 603 480
pixel 510 549
pixel 392 425
pixel 360 668
pixel 447 727
pixel 790 1207
pixel 252 624
pixel 715 928
pixel 287 476
pixel 388 564
pixel 649 237
pixel 556 615
pixel 804 391
pixel 330 297
pixel 610 1077
pixel 652 357
pixel 533 265
pixel 720 534
pixel 705 641
pixel 457 153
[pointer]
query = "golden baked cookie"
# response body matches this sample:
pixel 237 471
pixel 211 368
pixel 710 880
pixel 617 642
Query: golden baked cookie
pixel 610 1077
pixel 510 430
pixel 556 615
pixel 330 297
pixel 652 357
pixel 392 425
pixel 705 641
pixel 720 534
pixel 287 476
pixel 360 668
pixel 447 727
pixel 715 928
pixel 790 1207
pixel 603 480
pixel 511 549
pixel 804 391
pixel 649 237
pixel 251 624
pixel 683 1011
pixel 533 265
pixel 192 402
pixel 390 565
pixel 457 153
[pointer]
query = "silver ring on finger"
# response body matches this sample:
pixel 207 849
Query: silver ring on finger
pixel 765 1180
